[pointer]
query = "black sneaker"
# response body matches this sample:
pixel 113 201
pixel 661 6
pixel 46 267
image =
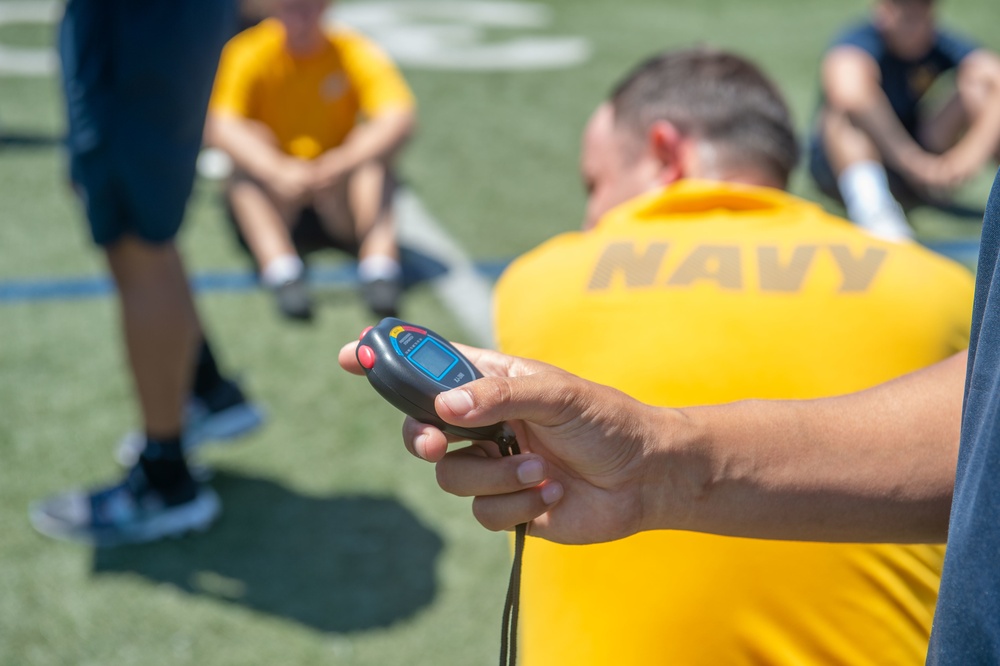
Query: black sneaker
pixel 222 415
pixel 129 512
pixel 382 296
pixel 293 299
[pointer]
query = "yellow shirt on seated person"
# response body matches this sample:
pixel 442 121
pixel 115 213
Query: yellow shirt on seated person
pixel 309 103
pixel 705 293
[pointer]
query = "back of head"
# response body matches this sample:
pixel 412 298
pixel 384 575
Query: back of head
pixel 717 98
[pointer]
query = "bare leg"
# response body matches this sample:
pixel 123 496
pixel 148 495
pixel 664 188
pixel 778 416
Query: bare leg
pixel 368 193
pixel 845 143
pixel 974 98
pixel 362 205
pixel 861 178
pixel 264 222
pixel 161 329
pixel 978 93
pixel 360 208
pixel 158 497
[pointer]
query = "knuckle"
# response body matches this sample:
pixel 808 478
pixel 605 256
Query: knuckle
pixel 446 478
pixel 492 391
pixel 481 510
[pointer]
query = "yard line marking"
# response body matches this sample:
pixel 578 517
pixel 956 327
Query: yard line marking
pixel 461 288
pixel 25 61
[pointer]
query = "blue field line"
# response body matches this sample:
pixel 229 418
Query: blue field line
pixel 20 290
pixel 965 251
pixel 84 287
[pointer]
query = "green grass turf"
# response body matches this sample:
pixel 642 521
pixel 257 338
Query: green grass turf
pixel 335 546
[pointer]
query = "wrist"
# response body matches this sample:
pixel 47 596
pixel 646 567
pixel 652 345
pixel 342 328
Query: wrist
pixel 677 474
pixel 335 162
pixel 273 168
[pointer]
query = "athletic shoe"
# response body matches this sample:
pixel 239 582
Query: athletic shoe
pixel 293 299
pixel 223 413
pixel 129 512
pixel 220 416
pixel 382 296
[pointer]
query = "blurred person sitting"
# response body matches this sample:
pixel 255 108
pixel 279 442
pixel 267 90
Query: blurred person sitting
pixel 286 108
pixel 697 280
pixel 876 147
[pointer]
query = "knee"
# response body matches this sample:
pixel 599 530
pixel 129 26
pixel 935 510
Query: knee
pixel 978 83
pixel 246 198
pixel 147 271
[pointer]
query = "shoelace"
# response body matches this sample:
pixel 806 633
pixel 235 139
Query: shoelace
pixel 508 628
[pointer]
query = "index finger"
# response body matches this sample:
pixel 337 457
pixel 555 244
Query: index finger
pixel 495 364
pixel 490 363
pixel 347 357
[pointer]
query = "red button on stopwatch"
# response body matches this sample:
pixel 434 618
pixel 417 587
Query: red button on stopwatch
pixel 364 332
pixel 366 356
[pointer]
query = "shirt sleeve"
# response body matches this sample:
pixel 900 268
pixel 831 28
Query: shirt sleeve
pixel 953 48
pixel 234 82
pixel 379 84
pixel 865 37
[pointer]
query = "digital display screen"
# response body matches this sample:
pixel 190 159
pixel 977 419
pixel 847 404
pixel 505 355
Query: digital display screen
pixel 433 359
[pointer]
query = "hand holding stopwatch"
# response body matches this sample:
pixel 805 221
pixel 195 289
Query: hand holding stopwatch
pixel 409 365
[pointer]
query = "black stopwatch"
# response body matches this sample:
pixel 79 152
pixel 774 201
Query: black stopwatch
pixel 409 365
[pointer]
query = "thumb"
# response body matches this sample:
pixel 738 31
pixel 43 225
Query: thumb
pixel 545 398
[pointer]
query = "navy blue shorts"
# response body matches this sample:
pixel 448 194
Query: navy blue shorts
pixel 137 77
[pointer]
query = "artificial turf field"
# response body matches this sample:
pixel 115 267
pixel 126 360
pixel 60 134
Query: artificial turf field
pixel 335 546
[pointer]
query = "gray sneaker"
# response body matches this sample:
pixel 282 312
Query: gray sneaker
pixel 221 416
pixel 294 301
pixel 382 296
pixel 129 512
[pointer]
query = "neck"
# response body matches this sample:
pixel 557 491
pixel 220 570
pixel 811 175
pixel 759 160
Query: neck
pixel 305 44
pixel 705 161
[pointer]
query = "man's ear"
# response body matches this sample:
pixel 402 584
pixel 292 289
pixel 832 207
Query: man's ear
pixel 665 142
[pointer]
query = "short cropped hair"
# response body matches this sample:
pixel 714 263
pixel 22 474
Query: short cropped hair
pixel 716 97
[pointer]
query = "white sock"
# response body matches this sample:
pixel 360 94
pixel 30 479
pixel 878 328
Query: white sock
pixel 378 267
pixel 282 269
pixel 864 187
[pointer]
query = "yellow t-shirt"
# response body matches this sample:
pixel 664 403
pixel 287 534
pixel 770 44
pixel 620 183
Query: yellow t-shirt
pixel 706 293
pixel 310 103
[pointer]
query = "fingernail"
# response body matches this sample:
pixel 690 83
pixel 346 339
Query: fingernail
pixel 459 401
pixel 552 492
pixel 530 471
pixel 420 445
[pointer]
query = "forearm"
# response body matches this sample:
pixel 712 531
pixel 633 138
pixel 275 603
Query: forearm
pixel 873 466
pixel 376 140
pixel 251 146
pixel 876 118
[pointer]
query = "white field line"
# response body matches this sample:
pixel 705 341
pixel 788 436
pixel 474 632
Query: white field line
pixel 464 292
pixel 27 61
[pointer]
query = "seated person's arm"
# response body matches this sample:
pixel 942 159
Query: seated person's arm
pixel 377 139
pixel 878 465
pixel 851 85
pixel 249 143
pixel 979 79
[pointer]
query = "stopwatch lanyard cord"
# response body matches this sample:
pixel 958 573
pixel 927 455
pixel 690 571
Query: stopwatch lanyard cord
pixel 508 630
